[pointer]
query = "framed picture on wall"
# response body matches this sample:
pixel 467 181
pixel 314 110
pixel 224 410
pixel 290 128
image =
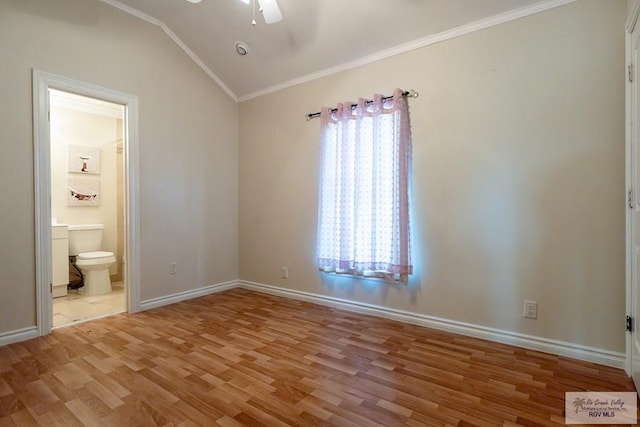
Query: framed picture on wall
pixel 83 192
pixel 84 159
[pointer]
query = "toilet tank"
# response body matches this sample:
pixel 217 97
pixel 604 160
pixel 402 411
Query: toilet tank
pixel 85 238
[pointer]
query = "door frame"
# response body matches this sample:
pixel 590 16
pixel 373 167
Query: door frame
pixel 42 82
pixel 630 191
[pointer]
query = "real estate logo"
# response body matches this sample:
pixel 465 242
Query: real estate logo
pixel 600 408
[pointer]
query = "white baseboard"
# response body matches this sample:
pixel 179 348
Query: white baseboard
pixel 561 348
pixel 182 296
pixel 18 335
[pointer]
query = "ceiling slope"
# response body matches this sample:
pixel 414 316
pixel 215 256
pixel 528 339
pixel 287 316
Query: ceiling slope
pixel 316 37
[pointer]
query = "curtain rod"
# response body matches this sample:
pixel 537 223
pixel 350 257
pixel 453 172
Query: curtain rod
pixel 408 93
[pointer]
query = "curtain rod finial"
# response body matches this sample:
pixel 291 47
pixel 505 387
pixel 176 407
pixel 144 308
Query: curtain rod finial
pixel 413 93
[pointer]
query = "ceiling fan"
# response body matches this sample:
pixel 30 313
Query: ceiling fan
pixel 269 9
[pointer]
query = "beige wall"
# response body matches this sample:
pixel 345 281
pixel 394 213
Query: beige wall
pixel 518 172
pixel 518 158
pixel 188 145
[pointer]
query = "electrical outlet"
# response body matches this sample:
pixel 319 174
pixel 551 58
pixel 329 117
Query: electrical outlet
pixel 285 272
pixel 530 309
pixel 172 268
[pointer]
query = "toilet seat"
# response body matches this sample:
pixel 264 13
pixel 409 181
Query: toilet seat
pixel 88 256
pixel 89 259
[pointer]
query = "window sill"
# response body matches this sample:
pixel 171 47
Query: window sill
pixel 378 276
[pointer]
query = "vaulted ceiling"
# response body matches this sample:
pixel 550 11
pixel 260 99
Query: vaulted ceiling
pixel 316 37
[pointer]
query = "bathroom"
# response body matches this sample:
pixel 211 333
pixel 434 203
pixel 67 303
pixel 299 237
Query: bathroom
pixel 87 189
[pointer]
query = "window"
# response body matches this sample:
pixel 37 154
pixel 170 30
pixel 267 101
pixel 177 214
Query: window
pixel 365 172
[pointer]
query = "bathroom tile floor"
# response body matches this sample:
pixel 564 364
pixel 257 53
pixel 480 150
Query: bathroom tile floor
pixel 76 307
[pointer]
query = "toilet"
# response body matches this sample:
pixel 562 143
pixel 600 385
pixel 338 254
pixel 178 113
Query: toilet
pixel 85 242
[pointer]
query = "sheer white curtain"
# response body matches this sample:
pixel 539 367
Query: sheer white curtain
pixel 365 170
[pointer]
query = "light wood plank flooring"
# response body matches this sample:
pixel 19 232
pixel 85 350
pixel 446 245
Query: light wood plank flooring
pixel 245 358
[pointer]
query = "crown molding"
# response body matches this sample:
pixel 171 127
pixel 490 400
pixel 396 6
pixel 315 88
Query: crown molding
pixel 462 30
pixel 151 20
pixel 131 11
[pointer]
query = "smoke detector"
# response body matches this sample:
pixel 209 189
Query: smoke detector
pixel 242 48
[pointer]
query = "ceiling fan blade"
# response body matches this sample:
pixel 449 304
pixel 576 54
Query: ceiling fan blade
pixel 194 1
pixel 270 11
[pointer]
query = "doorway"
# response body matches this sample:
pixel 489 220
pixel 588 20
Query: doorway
pixel 43 85
pixel 87 147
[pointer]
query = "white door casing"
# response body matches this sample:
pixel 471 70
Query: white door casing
pixel 42 82
pixel 632 186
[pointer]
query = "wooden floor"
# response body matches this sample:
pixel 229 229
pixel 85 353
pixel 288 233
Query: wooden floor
pixel 244 358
